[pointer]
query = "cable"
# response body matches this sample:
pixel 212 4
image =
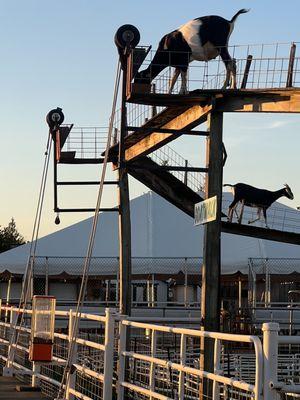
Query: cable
pixel 26 284
pixel 67 369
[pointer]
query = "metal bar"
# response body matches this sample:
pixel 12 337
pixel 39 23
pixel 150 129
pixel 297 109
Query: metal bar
pixel 169 168
pixel 289 81
pixel 83 161
pixel 181 385
pixel 217 369
pixel 55 172
pixel 86 209
pixel 165 130
pixel 108 354
pixel 152 364
pixel 246 72
pixel 71 183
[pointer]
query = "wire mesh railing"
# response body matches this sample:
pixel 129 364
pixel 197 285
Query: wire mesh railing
pixel 163 360
pixel 86 142
pixel 167 156
pixel 90 142
pixel 269 69
pixel 279 217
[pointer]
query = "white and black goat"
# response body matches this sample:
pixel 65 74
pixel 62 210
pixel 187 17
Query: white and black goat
pixel 251 196
pixel 200 39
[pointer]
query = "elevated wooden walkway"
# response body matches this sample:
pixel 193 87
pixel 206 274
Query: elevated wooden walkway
pixel 185 112
pixel 181 115
pixel 8 390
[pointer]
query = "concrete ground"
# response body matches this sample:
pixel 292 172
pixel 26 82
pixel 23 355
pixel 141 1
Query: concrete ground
pixel 8 390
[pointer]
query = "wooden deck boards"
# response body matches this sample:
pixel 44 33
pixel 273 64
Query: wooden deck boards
pixel 8 391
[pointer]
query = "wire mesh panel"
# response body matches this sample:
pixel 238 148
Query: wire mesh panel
pixel 156 281
pixel 269 68
pixel 87 142
pixel 274 292
pixel 279 217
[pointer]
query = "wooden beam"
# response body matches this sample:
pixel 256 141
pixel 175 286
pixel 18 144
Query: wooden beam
pixel 165 130
pixel 125 262
pixel 187 120
pixel 261 233
pixel 164 184
pixel 170 168
pixel 277 101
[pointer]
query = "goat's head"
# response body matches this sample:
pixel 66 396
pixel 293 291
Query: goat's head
pixel 288 192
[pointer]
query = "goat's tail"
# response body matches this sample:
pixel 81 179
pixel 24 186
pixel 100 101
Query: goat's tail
pixel 242 11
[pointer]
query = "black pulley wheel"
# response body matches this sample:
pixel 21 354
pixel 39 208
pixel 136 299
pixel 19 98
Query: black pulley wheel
pixel 127 36
pixel 55 118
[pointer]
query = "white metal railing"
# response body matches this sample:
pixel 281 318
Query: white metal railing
pixel 273 383
pixel 102 348
pixel 39 373
pixel 181 368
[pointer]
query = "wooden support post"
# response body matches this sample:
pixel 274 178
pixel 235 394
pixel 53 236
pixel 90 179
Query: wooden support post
pixel 124 215
pixel 211 269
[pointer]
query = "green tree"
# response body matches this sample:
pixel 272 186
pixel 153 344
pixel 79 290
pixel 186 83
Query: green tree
pixel 10 237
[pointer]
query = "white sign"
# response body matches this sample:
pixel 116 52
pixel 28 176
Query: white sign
pixel 205 211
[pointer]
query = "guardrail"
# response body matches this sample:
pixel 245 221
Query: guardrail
pixel 106 365
pixel 83 373
pixel 152 389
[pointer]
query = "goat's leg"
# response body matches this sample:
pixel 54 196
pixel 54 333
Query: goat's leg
pixel 235 210
pixel 241 212
pixel 258 216
pixel 183 89
pixel 265 217
pixel 230 65
pixel 231 209
pixel 174 79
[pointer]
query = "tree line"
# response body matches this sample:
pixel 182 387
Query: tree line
pixel 10 237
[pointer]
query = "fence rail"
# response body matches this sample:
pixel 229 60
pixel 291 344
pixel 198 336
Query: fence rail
pixel 153 370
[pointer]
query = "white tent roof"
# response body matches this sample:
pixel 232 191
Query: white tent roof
pixel 158 230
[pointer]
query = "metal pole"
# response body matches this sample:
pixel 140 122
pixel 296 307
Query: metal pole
pixel 270 353
pixel 186 164
pixel 8 297
pixel 211 269
pixel 289 80
pixel 153 291
pixel 47 278
pixel 240 296
pixel 55 172
pixel 185 283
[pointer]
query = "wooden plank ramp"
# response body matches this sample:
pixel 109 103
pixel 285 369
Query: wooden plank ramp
pixel 8 390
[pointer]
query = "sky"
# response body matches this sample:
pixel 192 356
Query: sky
pixel 62 53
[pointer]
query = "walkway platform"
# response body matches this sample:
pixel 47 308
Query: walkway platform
pixel 8 390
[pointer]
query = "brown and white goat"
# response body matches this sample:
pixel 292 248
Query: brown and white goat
pixel 200 39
